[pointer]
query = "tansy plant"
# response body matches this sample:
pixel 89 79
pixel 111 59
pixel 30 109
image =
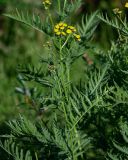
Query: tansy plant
pixel 71 121
pixel 67 42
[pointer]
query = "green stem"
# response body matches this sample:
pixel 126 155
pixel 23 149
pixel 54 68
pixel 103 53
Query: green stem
pixel 50 17
pixel 36 156
pixel 57 79
pixel 65 42
pixel 80 118
pixel 62 79
pixel 67 91
pixel 79 144
pixel 68 73
pixel 59 6
pixel 60 49
pixel 68 79
pixel 65 1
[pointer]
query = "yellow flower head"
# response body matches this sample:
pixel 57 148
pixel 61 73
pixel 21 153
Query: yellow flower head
pixel 63 33
pixel 72 28
pixel 126 4
pixel 57 26
pixel 65 25
pixel 58 33
pixel 69 31
pixel 60 28
pixel 46 3
pixel 61 24
pixel 77 36
pixel 56 30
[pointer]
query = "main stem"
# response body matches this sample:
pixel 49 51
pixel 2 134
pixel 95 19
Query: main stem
pixel 66 66
pixel 59 6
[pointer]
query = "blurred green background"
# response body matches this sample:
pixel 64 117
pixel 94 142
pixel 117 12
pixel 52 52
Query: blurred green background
pixel 20 44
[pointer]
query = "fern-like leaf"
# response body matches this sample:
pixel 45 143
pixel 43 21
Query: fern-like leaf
pixel 32 21
pixel 12 149
pixel 115 23
pixel 88 25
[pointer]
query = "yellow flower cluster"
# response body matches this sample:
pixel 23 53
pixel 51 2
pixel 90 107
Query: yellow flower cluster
pixel 117 11
pixel 63 29
pixel 126 4
pixel 46 3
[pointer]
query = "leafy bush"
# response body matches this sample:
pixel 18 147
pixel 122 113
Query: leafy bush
pixel 71 120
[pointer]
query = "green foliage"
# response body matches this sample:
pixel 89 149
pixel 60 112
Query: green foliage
pixel 33 21
pixel 88 25
pixel 10 147
pixel 116 22
pixel 46 138
pixel 71 121
pixel 121 149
